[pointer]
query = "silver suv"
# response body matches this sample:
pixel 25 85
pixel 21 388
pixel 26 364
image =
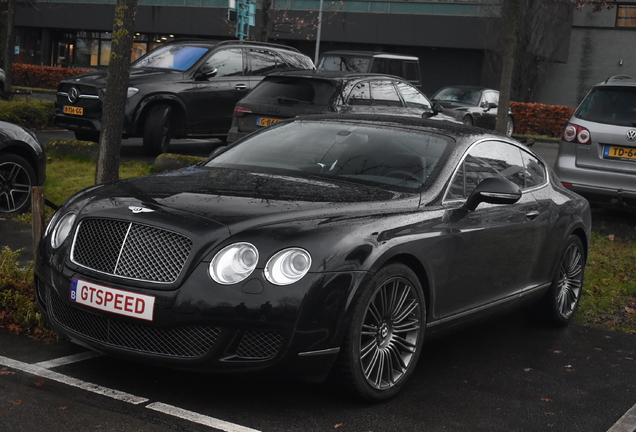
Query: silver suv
pixel 597 152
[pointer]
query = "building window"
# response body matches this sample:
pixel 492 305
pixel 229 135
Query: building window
pixel 626 16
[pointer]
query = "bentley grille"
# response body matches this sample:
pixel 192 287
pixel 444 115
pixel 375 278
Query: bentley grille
pixel 130 250
pixel 259 345
pixel 186 342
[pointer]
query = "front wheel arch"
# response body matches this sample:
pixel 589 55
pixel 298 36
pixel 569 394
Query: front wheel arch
pixel 179 115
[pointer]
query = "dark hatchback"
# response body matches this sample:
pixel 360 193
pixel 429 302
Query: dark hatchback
pixel 289 94
pixel 322 243
pixel 473 106
pixel 184 88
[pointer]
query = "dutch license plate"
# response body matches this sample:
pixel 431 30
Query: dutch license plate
pixel 112 300
pixel 73 110
pixel 265 121
pixel 614 152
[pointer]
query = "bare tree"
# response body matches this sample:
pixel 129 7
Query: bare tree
pixel 116 91
pixel 7 8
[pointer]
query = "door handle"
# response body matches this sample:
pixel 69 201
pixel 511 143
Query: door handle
pixel 240 86
pixel 532 215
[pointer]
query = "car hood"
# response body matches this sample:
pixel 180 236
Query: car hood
pixel 137 76
pixel 451 105
pixel 240 199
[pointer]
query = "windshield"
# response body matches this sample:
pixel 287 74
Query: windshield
pixel 344 64
pixel 391 157
pixel 464 96
pixel 179 57
pixel 610 105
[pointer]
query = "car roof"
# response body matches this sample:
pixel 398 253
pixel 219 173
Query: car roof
pixel 618 80
pixel 217 43
pixel 469 87
pixel 377 54
pixel 333 75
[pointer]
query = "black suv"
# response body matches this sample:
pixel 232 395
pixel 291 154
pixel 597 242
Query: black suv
pixel 184 88
pixel 289 94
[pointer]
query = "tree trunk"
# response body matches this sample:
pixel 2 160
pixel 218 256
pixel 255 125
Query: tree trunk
pixel 263 30
pixel 116 92
pixel 511 11
pixel 8 43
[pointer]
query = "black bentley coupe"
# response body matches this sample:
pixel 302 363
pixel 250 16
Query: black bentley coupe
pixel 323 244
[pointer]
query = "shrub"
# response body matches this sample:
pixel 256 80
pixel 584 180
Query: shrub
pixel 540 119
pixel 32 114
pixel 45 77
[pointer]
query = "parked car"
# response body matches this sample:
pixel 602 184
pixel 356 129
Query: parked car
pixel 321 243
pixel 597 151
pixel 185 88
pixel 22 166
pixel 474 106
pixel 404 66
pixel 288 94
pixel 2 74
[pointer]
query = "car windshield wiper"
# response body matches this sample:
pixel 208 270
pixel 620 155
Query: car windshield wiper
pixel 285 100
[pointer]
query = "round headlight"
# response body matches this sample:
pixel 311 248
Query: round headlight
pixel 62 229
pixel 234 263
pixel 287 266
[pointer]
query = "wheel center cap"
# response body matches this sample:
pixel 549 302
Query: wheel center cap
pixel 384 331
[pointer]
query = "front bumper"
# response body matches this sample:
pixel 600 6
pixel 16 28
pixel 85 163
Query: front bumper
pixel 290 330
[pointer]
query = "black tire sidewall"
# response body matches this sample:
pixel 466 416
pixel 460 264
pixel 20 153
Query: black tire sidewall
pixel 153 130
pixel 8 157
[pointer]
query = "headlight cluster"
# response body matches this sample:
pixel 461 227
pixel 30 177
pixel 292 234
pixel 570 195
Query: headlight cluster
pixel 60 228
pixel 236 263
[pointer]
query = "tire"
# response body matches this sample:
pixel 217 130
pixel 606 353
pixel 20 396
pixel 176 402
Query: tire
pixel 510 126
pixel 559 304
pixel 16 179
pixel 87 136
pixel 468 121
pixel 157 130
pixel 384 339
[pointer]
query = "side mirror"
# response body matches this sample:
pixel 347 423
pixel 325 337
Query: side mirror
pixel 208 71
pixel 435 109
pixel 493 190
pixel 489 106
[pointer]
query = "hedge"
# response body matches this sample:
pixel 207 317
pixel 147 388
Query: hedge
pixel 44 77
pixel 540 119
pixel 32 114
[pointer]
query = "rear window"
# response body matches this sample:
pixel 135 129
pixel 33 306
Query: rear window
pixel 284 90
pixel 609 105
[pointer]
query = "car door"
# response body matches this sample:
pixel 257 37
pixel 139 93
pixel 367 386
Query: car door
pixel 359 98
pixel 214 97
pixel 416 103
pixel 385 98
pixel 494 246
pixel 488 118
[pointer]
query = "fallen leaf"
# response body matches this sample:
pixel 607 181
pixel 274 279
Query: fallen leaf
pixel 598 349
pixel 16 401
pixel 64 408
pixel 338 425
pixel 611 237
pixel 40 384
pixel 549 413
pixel 546 399
pixel 527 369
pixel 557 352
pixel 630 310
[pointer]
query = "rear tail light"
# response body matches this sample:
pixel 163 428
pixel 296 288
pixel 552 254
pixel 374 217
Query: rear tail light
pixel 240 111
pixel 576 134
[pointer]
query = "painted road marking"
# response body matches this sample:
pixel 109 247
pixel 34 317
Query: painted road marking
pixel 627 423
pixel 41 370
pixel 54 376
pixel 68 359
pixel 198 418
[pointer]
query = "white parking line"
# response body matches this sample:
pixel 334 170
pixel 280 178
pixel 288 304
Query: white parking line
pixel 45 373
pixel 198 418
pixel 627 423
pixel 68 359
pixel 42 370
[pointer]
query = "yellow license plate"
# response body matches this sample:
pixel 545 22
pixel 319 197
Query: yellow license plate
pixel 73 110
pixel 614 152
pixel 265 121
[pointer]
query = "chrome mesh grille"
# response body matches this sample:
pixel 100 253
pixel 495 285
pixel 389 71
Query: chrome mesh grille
pixel 187 342
pixel 257 344
pixel 130 250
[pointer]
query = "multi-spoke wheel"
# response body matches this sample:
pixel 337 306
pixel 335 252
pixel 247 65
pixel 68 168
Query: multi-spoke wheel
pixel 561 300
pixel 384 338
pixel 468 120
pixel 16 179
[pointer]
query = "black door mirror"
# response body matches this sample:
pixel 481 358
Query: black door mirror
pixel 208 71
pixel 493 190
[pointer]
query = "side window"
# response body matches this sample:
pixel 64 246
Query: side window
pixel 228 62
pixel 487 159
pixel 384 93
pixel 412 97
pixel 411 71
pixel 534 171
pixel 360 95
pixel 263 62
pixel 490 98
